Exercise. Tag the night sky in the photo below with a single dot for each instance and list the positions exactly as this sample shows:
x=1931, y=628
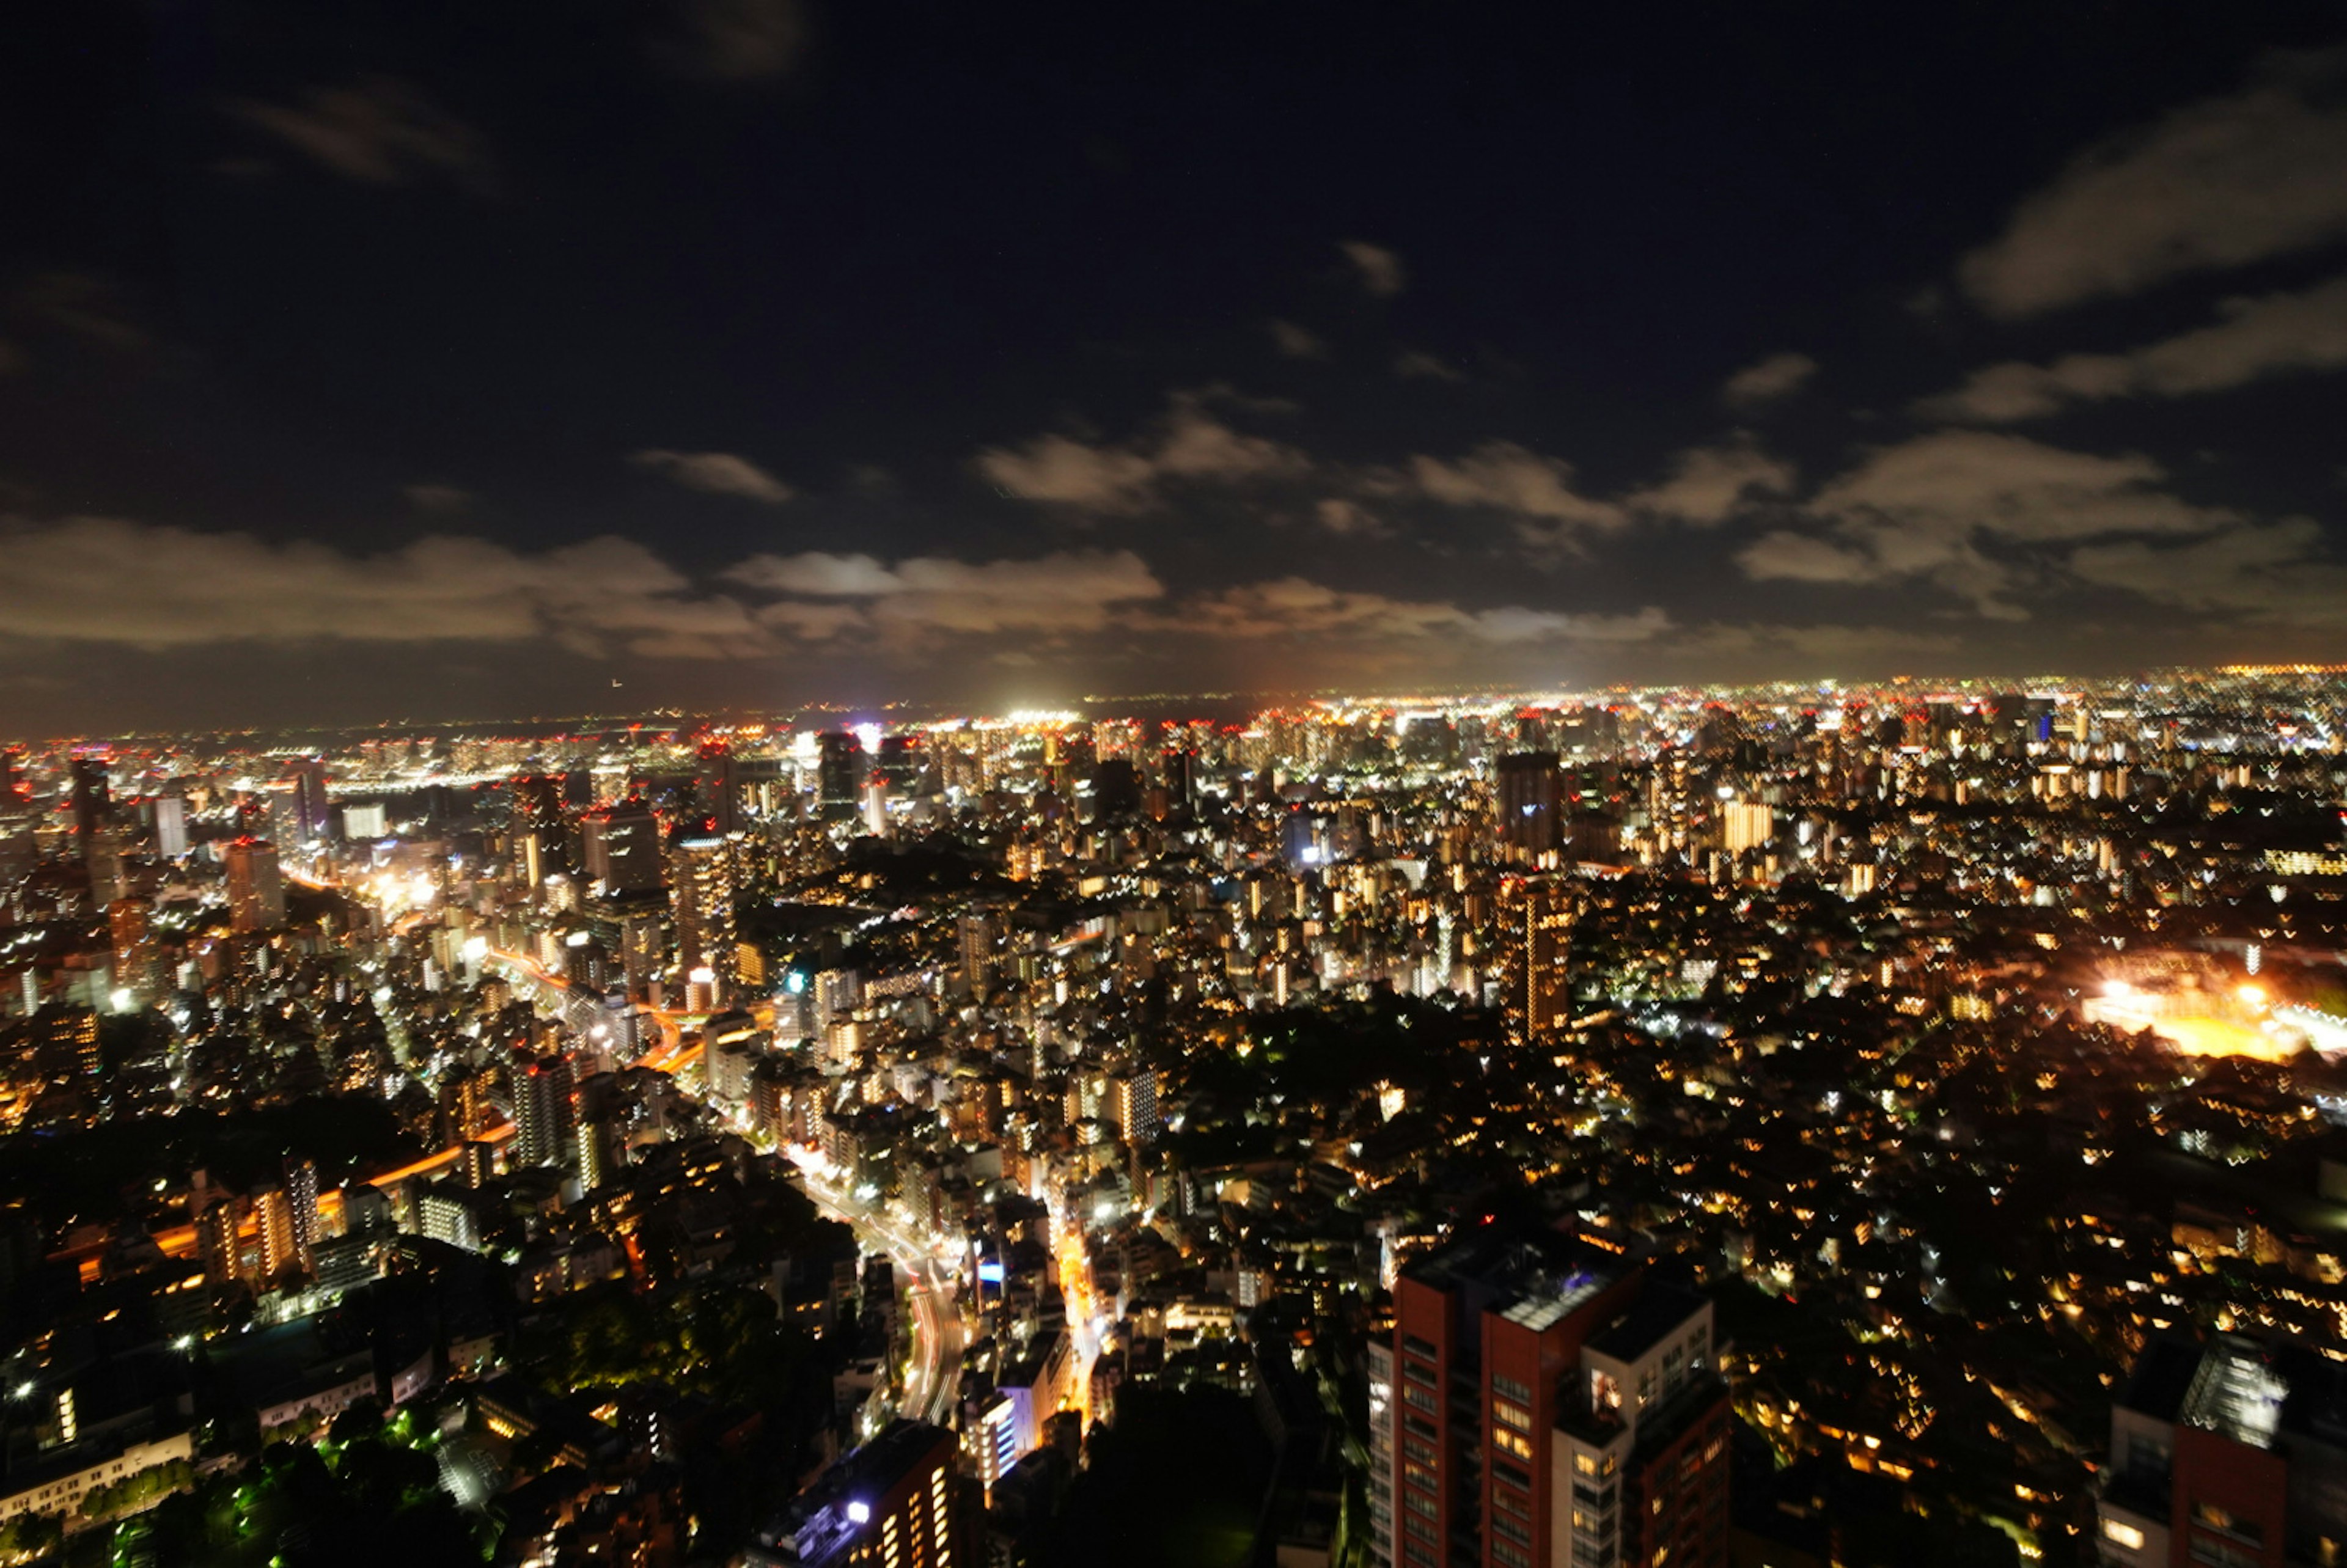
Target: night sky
x=417, y=361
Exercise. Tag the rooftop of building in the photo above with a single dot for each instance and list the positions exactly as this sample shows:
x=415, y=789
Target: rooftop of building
x=1530, y=1276
x=1657, y=1312
x=2242, y=1389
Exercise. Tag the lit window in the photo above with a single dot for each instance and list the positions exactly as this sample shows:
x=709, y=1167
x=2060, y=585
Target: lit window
x=1515, y=1443
x=2126, y=1535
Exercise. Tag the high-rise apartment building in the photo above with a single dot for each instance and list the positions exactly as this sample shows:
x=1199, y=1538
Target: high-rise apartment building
x=891, y=1503
x=1536, y=934
x=302, y=1202
x=541, y=1097
x=256, y=888
x=1551, y=1405
x=2225, y=1455
x=1132, y=1103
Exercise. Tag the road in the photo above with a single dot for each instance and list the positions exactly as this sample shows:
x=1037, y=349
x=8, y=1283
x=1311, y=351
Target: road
x=934, y=1383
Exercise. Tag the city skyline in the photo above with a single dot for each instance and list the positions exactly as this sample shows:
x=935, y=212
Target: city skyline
x=355, y=368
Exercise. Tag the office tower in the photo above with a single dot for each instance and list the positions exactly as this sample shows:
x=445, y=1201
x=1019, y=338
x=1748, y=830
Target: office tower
x=136, y=964
x=899, y=761
x=718, y=787
x=839, y=770
x=364, y=823
x=279, y=806
x=93, y=795
x=622, y=849
x=1537, y=915
x=1554, y=1404
x=171, y=826
x=301, y=1201
x=876, y=806
x=20, y=848
x=890, y=1503
x=1116, y=790
x=700, y=894
x=1530, y=803
x=102, y=858
x=314, y=813
x=2225, y=1455
x=537, y=816
x=256, y=889
x=542, y=1111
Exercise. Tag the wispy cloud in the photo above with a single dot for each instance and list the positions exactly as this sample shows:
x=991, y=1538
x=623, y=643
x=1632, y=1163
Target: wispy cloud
x=1417, y=364
x=1190, y=443
x=1778, y=375
x=718, y=473
x=381, y=131
x=1379, y=271
x=1712, y=483
x=1969, y=511
x=1294, y=342
x=738, y=40
x=2272, y=334
x=2216, y=184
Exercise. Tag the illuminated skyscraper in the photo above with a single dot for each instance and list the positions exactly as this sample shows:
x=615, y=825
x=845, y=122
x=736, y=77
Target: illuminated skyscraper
x=701, y=890
x=301, y=1203
x=2225, y=1453
x=542, y=1111
x=890, y=1503
x=540, y=828
x=93, y=796
x=719, y=786
x=1551, y=1404
x=256, y=888
x=1538, y=913
x=839, y=771
x=280, y=1254
x=1530, y=814
x=171, y=826
x=1745, y=826
x=135, y=959
x=314, y=813
x=622, y=849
